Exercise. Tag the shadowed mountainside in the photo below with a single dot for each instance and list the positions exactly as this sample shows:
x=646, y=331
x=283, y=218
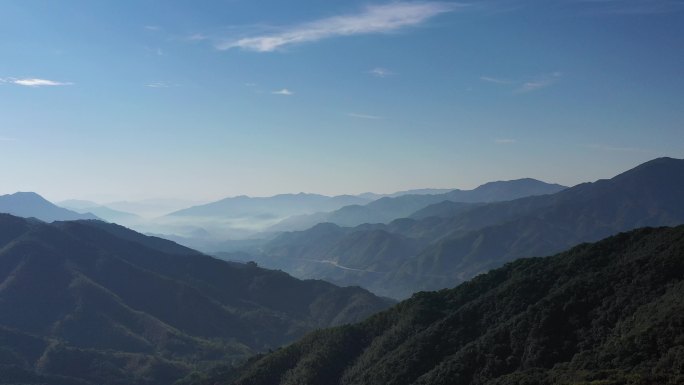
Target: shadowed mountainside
x=607, y=313
x=86, y=302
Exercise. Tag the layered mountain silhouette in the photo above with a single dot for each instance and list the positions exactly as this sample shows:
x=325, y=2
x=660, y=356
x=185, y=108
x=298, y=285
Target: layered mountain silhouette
x=434, y=250
x=101, y=211
x=276, y=206
x=208, y=226
x=211, y=227
x=32, y=205
x=418, y=191
x=153, y=207
x=607, y=313
x=87, y=302
x=387, y=209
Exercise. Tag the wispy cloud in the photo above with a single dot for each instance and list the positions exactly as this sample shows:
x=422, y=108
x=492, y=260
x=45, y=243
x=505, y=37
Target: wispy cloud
x=283, y=92
x=35, y=82
x=380, y=72
x=494, y=80
x=6, y=139
x=539, y=83
x=372, y=19
x=364, y=116
x=155, y=51
x=524, y=86
x=505, y=141
x=152, y=27
x=160, y=85
x=197, y=37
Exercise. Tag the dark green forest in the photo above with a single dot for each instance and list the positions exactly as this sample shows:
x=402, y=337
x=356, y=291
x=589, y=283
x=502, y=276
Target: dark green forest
x=606, y=313
x=89, y=303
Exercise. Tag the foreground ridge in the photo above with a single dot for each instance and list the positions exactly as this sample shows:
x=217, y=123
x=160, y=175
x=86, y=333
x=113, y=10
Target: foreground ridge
x=86, y=303
x=610, y=313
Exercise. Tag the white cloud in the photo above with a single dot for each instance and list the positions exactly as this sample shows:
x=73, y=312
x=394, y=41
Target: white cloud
x=152, y=28
x=505, y=141
x=197, y=37
x=34, y=82
x=284, y=92
x=158, y=85
x=372, y=19
x=364, y=116
x=533, y=84
x=540, y=82
x=490, y=79
x=6, y=139
x=381, y=72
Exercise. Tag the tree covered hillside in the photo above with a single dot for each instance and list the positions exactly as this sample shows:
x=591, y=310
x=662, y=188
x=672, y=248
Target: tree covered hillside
x=93, y=303
x=605, y=313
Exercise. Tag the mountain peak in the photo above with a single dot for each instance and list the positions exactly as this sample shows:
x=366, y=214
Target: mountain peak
x=516, y=182
x=26, y=195
x=505, y=190
x=660, y=162
x=30, y=204
x=655, y=171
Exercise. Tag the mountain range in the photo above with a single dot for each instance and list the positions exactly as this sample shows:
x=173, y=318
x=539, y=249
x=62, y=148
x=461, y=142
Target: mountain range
x=282, y=205
x=32, y=205
x=608, y=313
x=387, y=209
x=418, y=191
x=220, y=225
x=87, y=302
x=434, y=251
x=102, y=211
x=213, y=226
x=208, y=225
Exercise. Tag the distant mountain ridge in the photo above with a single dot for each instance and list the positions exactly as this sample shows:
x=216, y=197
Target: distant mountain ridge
x=505, y=191
x=32, y=205
x=389, y=208
x=101, y=211
x=90, y=303
x=609, y=313
x=279, y=205
x=216, y=225
x=446, y=250
x=418, y=191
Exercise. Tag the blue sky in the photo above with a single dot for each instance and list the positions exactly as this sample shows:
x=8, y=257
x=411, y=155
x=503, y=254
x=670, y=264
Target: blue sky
x=201, y=100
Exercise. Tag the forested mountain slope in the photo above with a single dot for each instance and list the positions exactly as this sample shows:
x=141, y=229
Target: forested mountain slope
x=93, y=303
x=606, y=313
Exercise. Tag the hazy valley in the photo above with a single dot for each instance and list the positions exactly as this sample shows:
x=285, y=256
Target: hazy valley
x=363, y=192
x=137, y=309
